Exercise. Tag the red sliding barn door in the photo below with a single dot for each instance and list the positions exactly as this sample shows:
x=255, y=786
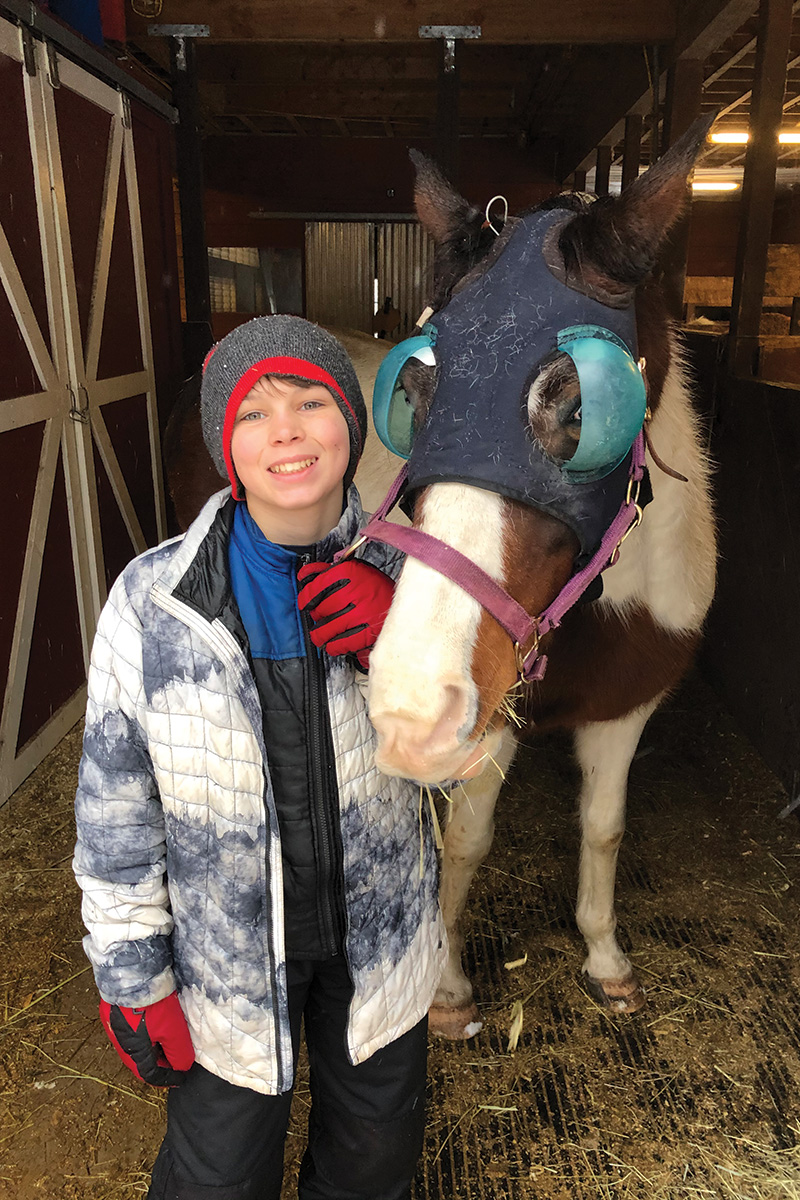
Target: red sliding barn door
x=79, y=434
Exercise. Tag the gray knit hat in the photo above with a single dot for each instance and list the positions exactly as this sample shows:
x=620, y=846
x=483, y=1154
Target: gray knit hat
x=277, y=345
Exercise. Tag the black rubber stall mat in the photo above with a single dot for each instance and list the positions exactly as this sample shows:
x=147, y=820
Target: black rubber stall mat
x=697, y=1095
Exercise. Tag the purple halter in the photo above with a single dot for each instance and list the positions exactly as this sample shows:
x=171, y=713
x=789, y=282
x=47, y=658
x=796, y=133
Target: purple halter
x=454, y=565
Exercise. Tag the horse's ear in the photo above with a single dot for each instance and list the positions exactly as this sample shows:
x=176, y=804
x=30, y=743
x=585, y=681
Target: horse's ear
x=456, y=226
x=441, y=210
x=614, y=244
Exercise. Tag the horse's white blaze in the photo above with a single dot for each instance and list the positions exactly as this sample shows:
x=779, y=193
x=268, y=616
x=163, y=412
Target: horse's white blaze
x=423, y=701
x=669, y=563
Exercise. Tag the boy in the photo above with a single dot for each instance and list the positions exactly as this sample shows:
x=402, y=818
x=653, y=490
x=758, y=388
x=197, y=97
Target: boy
x=244, y=864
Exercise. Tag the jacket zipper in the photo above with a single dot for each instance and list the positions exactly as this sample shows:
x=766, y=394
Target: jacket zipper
x=320, y=811
x=222, y=641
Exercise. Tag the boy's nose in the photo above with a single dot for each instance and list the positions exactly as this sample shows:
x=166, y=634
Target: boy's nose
x=286, y=429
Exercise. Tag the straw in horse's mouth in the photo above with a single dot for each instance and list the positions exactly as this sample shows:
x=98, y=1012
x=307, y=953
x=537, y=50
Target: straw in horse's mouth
x=506, y=709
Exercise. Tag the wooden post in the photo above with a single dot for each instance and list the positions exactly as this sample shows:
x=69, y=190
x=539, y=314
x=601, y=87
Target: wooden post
x=602, y=170
x=197, y=335
x=758, y=185
x=655, y=107
x=682, y=106
x=631, y=149
x=683, y=99
x=447, y=110
x=794, y=324
x=579, y=181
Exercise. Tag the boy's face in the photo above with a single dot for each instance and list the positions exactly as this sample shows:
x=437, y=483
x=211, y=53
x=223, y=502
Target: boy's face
x=291, y=448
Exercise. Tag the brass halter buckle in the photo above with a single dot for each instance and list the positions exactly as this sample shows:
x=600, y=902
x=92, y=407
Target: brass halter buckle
x=521, y=657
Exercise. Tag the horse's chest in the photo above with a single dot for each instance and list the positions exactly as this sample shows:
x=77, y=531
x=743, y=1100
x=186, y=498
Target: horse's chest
x=602, y=664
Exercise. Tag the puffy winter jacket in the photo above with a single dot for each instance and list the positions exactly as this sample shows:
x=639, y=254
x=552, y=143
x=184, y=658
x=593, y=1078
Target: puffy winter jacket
x=178, y=851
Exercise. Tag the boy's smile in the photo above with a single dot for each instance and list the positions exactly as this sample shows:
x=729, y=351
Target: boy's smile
x=291, y=449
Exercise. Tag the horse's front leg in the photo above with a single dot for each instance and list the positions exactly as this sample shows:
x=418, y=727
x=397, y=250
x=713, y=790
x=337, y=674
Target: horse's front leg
x=605, y=750
x=467, y=840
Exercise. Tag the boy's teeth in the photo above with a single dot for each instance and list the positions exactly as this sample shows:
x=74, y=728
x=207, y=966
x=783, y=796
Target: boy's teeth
x=287, y=468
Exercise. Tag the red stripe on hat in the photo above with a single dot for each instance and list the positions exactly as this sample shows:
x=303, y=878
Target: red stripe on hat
x=280, y=365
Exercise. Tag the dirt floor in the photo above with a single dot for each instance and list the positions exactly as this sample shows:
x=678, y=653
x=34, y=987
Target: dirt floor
x=696, y=1096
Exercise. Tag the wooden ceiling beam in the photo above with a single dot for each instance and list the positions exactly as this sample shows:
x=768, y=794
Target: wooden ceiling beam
x=745, y=96
x=352, y=64
x=504, y=22
x=394, y=104
x=748, y=48
x=705, y=25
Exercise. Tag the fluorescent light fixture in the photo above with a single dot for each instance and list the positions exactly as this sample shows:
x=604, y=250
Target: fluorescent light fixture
x=740, y=139
x=715, y=185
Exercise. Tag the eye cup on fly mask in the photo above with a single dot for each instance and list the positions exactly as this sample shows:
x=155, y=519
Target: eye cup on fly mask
x=392, y=410
x=613, y=400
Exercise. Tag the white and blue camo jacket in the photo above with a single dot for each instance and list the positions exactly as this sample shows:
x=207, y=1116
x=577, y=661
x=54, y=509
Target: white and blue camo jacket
x=178, y=853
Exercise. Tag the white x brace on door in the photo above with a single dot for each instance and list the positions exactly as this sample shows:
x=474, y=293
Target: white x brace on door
x=80, y=474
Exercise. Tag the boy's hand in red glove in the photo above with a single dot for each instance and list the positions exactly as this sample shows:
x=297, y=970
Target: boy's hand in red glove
x=347, y=603
x=153, y=1042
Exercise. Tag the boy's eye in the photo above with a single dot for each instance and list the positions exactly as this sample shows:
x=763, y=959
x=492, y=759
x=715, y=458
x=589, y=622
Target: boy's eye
x=312, y=404
x=254, y=415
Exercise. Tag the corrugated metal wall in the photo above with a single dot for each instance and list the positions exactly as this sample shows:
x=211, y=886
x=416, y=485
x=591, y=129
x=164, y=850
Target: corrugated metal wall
x=343, y=259
x=340, y=269
x=404, y=269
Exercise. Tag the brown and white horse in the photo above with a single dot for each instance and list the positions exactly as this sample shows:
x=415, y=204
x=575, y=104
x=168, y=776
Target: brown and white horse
x=442, y=666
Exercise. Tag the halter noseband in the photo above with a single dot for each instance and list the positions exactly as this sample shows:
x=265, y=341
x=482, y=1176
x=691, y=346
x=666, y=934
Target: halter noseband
x=518, y=624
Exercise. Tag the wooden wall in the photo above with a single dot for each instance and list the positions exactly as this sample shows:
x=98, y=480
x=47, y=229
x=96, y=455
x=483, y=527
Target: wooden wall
x=752, y=644
x=714, y=231
x=342, y=175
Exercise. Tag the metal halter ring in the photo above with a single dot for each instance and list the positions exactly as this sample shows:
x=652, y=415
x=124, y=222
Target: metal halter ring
x=635, y=523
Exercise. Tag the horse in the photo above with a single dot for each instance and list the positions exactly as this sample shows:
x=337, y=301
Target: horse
x=445, y=693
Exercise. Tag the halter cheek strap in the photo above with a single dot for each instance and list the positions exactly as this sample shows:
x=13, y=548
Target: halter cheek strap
x=518, y=624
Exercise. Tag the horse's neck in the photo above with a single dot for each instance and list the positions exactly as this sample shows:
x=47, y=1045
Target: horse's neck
x=668, y=564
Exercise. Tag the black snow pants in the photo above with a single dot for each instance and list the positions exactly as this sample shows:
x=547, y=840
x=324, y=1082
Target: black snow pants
x=366, y=1122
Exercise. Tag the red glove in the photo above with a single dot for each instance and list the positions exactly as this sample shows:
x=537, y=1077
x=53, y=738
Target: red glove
x=153, y=1041
x=347, y=603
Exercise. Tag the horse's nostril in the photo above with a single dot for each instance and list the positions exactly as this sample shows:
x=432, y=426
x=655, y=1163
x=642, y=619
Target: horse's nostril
x=454, y=721
x=440, y=723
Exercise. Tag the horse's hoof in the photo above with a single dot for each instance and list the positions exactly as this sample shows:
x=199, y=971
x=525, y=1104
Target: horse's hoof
x=617, y=995
x=458, y=1024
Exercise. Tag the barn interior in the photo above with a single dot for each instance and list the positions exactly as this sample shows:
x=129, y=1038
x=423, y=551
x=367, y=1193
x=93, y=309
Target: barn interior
x=172, y=168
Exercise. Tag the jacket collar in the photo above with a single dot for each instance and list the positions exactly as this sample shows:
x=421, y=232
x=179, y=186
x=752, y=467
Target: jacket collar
x=198, y=573
x=256, y=547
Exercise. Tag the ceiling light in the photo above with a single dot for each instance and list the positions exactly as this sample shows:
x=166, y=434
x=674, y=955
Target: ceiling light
x=715, y=185
x=740, y=139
